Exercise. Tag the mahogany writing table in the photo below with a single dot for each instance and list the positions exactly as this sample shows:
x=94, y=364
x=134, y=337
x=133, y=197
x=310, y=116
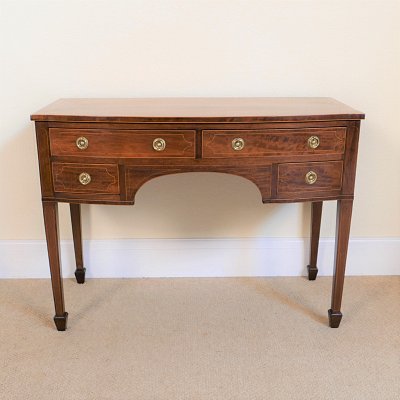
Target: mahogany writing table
x=101, y=151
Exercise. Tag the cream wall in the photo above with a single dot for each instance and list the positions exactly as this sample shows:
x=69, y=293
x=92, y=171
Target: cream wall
x=349, y=50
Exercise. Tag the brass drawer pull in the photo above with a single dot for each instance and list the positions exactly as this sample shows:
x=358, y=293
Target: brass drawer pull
x=84, y=178
x=313, y=142
x=237, y=144
x=82, y=143
x=311, y=177
x=159, y=144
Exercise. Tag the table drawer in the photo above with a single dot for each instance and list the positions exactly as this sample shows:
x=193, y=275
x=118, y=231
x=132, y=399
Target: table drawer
x=276, y=142
x=308, y=178
x=85, y=178
x=122, y=143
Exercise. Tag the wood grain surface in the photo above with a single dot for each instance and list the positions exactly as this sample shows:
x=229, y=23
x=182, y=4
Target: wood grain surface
x=122, y=143
x=292, y=178
x=247, y=109
x=104, y=178
x=278, y=142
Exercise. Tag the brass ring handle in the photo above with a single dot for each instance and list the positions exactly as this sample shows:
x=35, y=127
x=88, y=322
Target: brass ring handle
x=159, y=144
x=82, y=143
x=313, y=142
x=84, y=178
x=237, y=144
x=311, y=177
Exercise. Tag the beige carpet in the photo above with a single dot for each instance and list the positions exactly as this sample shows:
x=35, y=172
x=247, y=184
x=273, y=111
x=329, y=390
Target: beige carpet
x=238, y=338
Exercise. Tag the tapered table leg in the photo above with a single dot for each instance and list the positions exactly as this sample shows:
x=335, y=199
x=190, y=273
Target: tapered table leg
x=80, y=271
x=316, y=212
x=343, y=221
x=50, y=214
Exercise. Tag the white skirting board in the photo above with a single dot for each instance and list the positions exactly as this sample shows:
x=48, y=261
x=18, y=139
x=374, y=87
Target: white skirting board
x=136, y=258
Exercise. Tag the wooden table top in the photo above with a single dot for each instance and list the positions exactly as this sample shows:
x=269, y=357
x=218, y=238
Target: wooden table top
x=198, y=109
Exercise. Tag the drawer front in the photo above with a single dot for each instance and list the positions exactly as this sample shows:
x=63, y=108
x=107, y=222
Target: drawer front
x=305, y=179
x=122, y=143
x=273, y=142
x=85, y=178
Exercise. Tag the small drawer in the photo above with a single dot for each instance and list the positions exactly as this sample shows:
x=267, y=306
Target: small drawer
x=86, y=178
x=122, y=143
x=305, y=179
x=273, y=142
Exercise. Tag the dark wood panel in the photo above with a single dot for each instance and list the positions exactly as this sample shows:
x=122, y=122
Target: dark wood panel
x=350, y=160
x=137, y=176
x=43, y=149
x=122, y=143
x=277, y=142
x=103, y=178
x=174, y=125
x=306, y=197
x=90, y=198
x=114, y=199
x=292, y=178
x=232, y=161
